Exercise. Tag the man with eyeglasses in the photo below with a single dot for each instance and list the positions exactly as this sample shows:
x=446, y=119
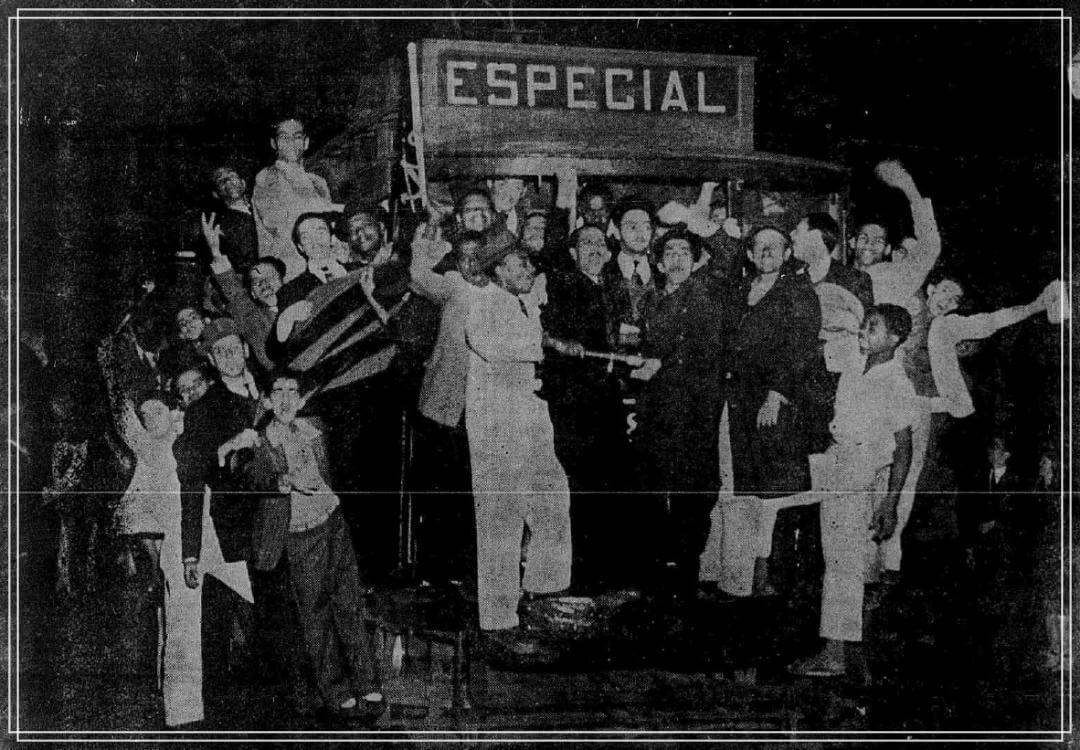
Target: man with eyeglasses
x=284, y=191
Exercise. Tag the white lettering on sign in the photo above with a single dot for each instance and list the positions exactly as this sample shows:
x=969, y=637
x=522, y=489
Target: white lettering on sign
x=673, y=94
x=532, y=84
x=623, y=87
x=573, y=85
x=609, y=89
x=510, y=84
x=453, y=82
x=708, y=109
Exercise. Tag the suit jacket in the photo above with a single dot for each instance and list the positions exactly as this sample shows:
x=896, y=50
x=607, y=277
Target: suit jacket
x=855, y=281
x=620, y=298
x=270, y=523
x=239, y=240
x=584, y=399
x=256, y=321
x=212, y=420
x=297, y=290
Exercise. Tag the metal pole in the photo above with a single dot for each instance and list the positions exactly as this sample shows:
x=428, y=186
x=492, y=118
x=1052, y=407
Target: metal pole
x=417, y=124
x=405, y=509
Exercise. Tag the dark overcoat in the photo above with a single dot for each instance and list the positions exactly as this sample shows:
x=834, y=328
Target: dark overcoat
x=679, y=408
x=772, y=344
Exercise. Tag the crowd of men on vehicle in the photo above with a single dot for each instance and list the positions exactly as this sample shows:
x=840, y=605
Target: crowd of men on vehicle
x=592, y=407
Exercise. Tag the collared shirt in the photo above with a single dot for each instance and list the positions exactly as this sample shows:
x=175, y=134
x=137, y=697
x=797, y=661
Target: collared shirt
x=242, y=386
x=871, y=407
x=307, y=509
x=630, y=263
x=326, y=270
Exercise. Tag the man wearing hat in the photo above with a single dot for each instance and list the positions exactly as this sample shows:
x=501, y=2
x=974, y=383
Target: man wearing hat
x=229, y=406
x=517, y=479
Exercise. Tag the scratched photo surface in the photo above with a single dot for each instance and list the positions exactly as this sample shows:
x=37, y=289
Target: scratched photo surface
x=471, y=373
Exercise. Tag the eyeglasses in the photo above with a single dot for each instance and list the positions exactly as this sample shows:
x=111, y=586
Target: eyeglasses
x=292, y=136
x=865, y=239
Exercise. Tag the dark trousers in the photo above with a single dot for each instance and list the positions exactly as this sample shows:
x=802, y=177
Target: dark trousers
x=279, y=649
x=441, y=483
x=687, y=528
x=326, y=587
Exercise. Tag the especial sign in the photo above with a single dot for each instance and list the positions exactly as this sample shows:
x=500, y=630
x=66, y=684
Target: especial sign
x=473, y=80
x=493, y=98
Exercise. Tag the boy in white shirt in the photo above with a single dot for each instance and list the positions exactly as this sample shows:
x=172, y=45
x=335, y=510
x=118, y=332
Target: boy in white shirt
x=871, y=427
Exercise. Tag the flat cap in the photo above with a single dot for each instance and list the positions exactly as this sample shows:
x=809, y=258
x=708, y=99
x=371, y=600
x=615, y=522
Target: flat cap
x=216, y=330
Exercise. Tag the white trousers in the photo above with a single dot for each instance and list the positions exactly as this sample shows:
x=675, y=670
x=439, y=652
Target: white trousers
x=890, y=552
x=518, y=481
x=182, y=680
x=849, y=481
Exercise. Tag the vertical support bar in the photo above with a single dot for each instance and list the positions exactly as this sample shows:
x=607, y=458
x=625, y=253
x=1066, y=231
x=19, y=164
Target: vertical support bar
x=729, y=195
x=569, y=191
x=845, y=229
x=417, y=123
x=406, y=515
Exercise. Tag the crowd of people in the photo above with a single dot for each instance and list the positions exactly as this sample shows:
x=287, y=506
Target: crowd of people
x=629, y=402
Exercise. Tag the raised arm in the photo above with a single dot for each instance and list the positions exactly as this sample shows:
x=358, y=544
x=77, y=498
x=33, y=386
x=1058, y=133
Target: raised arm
x=428, y=248
x=132, y=430
x=946, y=332
x=911, y=271
x=984, y=325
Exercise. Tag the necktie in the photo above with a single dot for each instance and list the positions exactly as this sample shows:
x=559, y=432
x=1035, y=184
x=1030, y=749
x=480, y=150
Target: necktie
x=635, y=278
x=524, y=309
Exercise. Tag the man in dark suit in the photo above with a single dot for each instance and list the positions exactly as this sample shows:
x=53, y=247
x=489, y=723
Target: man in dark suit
x=229, y=406
x=628, y=277
x=586, y=409
x=679, y=408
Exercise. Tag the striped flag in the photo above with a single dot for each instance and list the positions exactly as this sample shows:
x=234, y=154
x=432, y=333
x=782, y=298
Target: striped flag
x=343, y=342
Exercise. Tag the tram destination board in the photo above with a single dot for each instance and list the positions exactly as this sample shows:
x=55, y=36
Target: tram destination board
x=483, y=98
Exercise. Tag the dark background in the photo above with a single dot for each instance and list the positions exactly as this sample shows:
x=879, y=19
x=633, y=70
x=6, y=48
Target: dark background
x=120, y=119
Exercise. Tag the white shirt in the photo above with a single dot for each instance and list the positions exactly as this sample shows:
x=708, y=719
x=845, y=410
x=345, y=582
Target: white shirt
x=872, y=406
x=627, y=266
x=326, y=270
